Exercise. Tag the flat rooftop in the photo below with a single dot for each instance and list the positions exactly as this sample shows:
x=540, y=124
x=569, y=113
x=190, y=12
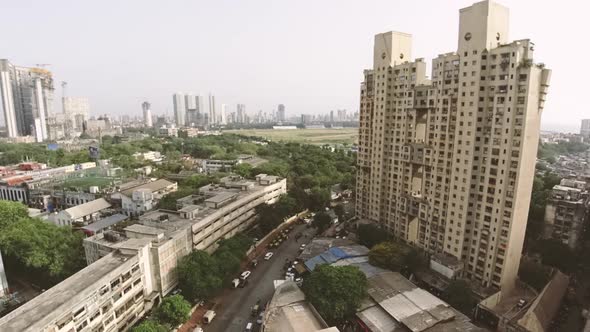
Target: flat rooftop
x=49, y=306
x=289, y=312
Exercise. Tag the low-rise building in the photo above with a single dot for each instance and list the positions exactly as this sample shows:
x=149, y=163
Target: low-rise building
x=109, y=295
x=288, y=311
x=522, y=309
x=566, y=212
x=138, y=199
x=81, y=214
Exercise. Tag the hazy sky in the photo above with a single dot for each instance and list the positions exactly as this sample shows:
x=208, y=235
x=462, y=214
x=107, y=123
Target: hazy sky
x=307, y=54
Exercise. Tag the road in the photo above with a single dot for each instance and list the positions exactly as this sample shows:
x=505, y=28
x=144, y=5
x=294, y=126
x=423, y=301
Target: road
x=235, y=311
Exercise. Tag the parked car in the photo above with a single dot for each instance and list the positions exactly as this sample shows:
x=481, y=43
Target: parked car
x=235, y=283
x=245, y=275
x=254, y=263
x=268, y=256
x=302, y=247
x=208, y=317
x=260, y=318
x=248, y=327
x=243, y=283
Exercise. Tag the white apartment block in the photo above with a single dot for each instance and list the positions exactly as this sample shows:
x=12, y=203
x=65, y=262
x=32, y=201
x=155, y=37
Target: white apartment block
x=447, y=163
x=129, y=273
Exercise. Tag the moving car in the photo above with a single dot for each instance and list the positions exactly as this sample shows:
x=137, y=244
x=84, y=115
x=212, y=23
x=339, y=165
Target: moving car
x=268, y=256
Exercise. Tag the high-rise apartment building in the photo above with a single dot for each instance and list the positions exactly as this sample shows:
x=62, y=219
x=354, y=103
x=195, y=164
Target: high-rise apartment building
x=223, y=114
x=27, y=98
x=585, y=129
x=446, y=164
x=76, y=110
x=147, y=114
x=179, y=101
x=212, y=112
x=241, y=113
x=281, y=113
x=194, y=110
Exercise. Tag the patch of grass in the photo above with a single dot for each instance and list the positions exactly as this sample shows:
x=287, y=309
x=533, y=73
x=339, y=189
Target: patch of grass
x=310, y=136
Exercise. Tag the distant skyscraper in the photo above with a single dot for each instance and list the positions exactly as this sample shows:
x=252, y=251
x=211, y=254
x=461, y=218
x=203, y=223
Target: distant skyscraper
x=446, y=163
x=147, y=114
x=585, y=129
x=223, y=115
x=281, y=113
x=241, y=113
x=27, y=98
x=76, y=110
x=179, y=109
x=212, y=112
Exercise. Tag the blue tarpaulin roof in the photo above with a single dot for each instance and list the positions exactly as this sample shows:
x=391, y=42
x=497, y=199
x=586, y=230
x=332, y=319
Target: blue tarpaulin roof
x=335, y=254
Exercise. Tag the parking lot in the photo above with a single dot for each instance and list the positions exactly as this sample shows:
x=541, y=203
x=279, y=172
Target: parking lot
x=234, y=312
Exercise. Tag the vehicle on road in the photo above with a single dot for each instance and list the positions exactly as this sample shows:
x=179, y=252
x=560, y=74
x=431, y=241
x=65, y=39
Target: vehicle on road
x=260, y=318
x=208, y=317
x=268, y=256
x=198, y=329
x=254, y=263
x=245, y=275
x=235, y=283
x=255, y=309
x=302, y=247
x=248, y=327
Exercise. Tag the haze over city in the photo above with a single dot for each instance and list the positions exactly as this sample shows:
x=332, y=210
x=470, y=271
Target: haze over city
x=304, y=54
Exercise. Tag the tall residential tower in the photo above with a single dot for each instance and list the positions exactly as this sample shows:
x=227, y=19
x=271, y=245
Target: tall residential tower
x=447, y=163
x=147, y=114
x=27, y=99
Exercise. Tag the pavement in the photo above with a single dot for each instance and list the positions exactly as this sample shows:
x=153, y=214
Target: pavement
x=234, y=305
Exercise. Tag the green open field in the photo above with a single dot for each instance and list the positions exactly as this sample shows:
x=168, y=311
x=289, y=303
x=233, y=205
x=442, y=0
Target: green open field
x=85, y=182
x=310, y=136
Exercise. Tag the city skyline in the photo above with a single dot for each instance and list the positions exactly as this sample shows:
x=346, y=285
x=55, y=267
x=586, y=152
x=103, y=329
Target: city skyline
x=137, y=72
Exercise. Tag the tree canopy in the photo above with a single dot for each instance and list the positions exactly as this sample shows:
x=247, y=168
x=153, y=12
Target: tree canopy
x=335, y=291
x=321, y=221
x=201, y=276
x=371, y=234
x=173, y=310
x=459, y=295
x=42, y=250
x=395, y=256
x=150, y=326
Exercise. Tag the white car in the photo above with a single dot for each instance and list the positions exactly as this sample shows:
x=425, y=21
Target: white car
x=268, y=256
x=245, y=275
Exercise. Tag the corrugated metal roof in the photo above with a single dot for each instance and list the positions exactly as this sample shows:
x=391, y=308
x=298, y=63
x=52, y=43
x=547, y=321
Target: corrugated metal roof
x=152, y=186
x=378, y=320
x=105, y=222
x=85, y=209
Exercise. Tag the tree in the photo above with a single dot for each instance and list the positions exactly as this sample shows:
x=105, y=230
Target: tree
x=243, y=169
x=319, y=198
x=389, y=255
x=174, y=310
x=11, y=212
x=321, y=221
x=43, y=250
x=557, y=254
x=534, y=274
x=371, y=234
x=149, y=326
x=459, y=295
x=335, y=291
x=198, y=276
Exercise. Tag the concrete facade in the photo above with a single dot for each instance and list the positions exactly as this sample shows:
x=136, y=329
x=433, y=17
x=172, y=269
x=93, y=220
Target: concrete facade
x=566, y=212
x=446, y=164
